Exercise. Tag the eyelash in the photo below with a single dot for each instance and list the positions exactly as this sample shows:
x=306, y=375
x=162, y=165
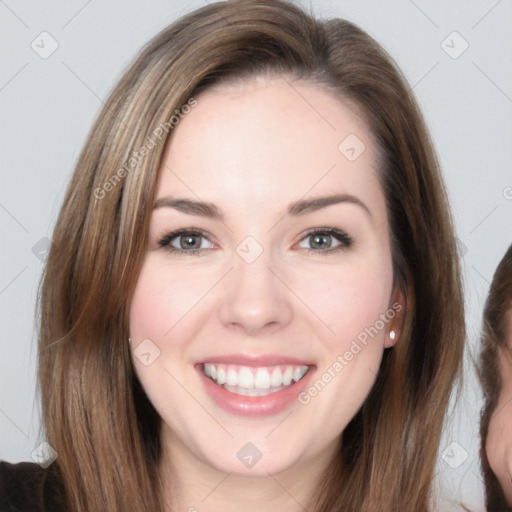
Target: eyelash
x=341, y=236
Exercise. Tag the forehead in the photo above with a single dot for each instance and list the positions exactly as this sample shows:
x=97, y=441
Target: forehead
x=269, y=138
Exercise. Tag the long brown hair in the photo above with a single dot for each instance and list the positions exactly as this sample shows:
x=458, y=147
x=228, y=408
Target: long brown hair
x=94, y=412
x=493, y=342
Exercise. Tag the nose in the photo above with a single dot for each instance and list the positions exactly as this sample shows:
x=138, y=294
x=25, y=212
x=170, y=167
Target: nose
x=254, y=298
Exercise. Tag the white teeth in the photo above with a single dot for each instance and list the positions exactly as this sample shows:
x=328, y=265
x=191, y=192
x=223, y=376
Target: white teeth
x=221, y=376
x=253, y=392
x=262, y=379
x=245, y=378
x=276, y=378
x=287, y=376
x=297, y=374
x=232, y=378
x=248, y=379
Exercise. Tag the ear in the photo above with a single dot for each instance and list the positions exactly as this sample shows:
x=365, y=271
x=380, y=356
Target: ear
x=396, y=313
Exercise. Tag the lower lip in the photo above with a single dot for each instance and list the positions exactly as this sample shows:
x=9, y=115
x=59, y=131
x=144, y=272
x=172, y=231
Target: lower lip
x=259, y=406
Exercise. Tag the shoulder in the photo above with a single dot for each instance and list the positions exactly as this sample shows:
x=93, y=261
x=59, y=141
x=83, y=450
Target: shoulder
x=26, y=486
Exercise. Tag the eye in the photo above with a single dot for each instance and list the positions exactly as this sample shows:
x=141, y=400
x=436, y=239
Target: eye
x=183, y=240
x=321, y=240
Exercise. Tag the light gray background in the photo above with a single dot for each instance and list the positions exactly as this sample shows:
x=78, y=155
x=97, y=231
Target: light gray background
x=49, y=104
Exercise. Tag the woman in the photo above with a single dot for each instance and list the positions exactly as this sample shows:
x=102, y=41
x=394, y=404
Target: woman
x=310, y=340
x=495, y=374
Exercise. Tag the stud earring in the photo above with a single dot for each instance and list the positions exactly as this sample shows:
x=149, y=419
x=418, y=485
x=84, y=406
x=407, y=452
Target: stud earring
x=392, y=335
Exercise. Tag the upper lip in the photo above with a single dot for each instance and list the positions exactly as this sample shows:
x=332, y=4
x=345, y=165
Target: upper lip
x=256, y=361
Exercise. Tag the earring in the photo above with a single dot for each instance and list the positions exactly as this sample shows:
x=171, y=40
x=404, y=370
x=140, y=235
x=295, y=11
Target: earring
x=392, y=335
x=129, y=341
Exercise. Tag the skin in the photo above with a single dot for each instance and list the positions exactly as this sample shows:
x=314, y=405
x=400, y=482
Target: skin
x=253, y=149
x=499, y=441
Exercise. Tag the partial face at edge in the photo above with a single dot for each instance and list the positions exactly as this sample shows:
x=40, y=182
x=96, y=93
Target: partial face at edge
x=324, y=298
x=499, y=437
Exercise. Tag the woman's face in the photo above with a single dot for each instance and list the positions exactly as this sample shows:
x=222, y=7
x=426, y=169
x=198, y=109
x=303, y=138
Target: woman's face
x=499, y=438
x=252, y=290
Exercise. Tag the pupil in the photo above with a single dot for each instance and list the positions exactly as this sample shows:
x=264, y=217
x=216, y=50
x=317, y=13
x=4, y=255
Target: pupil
x=189, y=241
x=320, y=237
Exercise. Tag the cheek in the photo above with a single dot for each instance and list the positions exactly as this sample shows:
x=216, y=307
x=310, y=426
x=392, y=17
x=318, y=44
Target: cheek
x=350, y=299
x=161, y=299
x=498, y=444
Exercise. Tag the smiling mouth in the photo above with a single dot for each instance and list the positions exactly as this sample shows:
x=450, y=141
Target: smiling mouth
x=249, y=381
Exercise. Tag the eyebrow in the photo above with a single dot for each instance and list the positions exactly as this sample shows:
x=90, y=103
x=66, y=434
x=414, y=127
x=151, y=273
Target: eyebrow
x=296, y=209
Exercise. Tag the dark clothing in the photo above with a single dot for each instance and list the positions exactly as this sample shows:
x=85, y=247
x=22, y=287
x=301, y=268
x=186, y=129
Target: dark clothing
x=27, y=487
